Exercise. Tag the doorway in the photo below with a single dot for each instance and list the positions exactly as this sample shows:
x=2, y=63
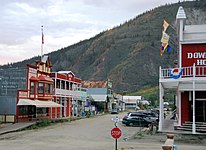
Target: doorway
x=200, y=112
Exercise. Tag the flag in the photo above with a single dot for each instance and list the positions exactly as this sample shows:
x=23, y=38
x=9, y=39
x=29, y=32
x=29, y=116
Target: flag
x=165, y=37
x=42, y=38
x=165, y=26
x=163, y=48
x=168, y=48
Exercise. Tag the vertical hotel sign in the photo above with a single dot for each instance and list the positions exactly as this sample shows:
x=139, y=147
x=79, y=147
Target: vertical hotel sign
x=193, y=53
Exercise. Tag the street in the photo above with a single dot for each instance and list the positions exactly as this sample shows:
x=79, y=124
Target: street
x=84, y=134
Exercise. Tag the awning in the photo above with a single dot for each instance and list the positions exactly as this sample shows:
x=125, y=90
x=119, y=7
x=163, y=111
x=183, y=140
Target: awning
x=45, y=78
x=25, y=102
x=46, y=104
x=38, y=103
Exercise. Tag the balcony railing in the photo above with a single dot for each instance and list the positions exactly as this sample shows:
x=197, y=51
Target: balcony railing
x=75, y=94
x=192, y=71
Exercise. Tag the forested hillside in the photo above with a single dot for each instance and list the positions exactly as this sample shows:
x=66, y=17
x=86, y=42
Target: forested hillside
x=129, y=53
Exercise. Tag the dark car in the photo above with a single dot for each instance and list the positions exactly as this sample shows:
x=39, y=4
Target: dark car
x=136, y=121
x=134, y=114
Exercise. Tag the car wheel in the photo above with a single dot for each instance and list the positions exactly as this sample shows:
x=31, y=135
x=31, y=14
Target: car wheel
x=131, y=124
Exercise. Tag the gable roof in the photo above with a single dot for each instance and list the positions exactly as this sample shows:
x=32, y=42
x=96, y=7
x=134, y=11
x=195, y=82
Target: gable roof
x=66, y=72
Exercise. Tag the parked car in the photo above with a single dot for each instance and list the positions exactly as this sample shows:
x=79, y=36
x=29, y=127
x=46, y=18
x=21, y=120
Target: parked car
x=151, y=118
x=134, y=114
x=136, y=121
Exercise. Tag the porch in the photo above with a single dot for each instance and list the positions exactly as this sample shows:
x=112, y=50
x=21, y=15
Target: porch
x=190, y=89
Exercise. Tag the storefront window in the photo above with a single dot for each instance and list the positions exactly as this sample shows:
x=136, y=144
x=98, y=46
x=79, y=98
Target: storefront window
x=32, y=88
x=23, y=110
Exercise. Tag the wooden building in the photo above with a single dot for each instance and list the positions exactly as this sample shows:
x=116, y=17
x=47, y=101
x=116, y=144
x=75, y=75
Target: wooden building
x=36, y=101
x=188, y=78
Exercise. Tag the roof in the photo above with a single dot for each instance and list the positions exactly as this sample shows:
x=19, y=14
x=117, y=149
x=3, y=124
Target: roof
x=181, y=13
x=66, y=72
x=131, y=99
x=99, y=98
x=194, y=34
x=44, y=58
x=45, y=78
x=38, y=103
x=94, y=84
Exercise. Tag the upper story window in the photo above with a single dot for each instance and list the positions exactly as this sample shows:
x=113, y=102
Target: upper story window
x=57, y=83
x=62, y=84
x=48, y=88
x=71, y=86
x=67, y=85
x=41, y=88
x=32, y=87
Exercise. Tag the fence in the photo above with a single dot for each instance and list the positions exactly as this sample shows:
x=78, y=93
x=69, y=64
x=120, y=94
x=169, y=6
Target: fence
x=7, y=118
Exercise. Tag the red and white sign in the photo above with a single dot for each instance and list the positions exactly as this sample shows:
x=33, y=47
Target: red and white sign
x=193, y=53
x=116, y=133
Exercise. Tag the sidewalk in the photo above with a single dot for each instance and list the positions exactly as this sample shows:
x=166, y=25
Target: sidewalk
x=15, y=127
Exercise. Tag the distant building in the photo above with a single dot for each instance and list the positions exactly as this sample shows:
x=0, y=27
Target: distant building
x=101, y=91
x=131, y=101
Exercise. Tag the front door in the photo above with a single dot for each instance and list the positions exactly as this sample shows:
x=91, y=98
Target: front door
x=200, y=111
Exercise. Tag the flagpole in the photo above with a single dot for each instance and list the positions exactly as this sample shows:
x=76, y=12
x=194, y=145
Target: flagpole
x=42, y=42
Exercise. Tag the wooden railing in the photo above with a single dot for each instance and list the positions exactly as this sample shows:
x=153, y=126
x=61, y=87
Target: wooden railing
x=192, y=71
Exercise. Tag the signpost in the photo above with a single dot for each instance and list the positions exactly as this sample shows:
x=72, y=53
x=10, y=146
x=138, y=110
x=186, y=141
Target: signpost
x=116, y=132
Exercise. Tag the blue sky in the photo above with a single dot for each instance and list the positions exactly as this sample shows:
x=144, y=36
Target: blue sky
x=65, y=22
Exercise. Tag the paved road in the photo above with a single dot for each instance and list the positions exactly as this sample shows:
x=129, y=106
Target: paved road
x=84, y=134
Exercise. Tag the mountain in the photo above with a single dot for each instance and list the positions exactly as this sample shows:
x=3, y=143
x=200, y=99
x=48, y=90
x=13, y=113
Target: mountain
x=129, y=53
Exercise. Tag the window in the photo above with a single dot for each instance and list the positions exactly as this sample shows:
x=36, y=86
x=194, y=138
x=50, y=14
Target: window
x=32, y=87
x=51, y=89
x=67, y=85
x=62, y=84
x=48, y=88
x=57, y=83
x=23, y=110
x=41, y=88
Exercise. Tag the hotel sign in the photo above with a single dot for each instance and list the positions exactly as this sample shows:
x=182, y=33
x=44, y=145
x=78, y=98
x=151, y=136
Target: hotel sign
x=200, y=58
x=193, y=53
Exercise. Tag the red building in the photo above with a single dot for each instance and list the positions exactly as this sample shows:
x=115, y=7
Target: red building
x=189, y=78
x=36, y=101
x=68, y=91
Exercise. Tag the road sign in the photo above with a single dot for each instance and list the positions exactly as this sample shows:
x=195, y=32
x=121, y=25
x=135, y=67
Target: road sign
x=116, y=119
x=116, y=133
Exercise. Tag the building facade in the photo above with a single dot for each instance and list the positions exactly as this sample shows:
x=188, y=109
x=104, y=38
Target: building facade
x=35, y=102
x=68, y=92
x=101, y=92
x=189, y=77
x=11, y=80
